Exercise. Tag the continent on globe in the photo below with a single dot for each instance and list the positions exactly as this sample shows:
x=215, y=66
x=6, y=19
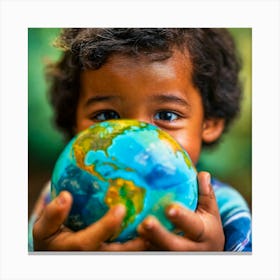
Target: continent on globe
x=129, y=162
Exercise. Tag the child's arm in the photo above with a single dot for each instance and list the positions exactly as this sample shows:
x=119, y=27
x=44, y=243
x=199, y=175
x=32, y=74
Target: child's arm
x=202, y=229
x=50, y=234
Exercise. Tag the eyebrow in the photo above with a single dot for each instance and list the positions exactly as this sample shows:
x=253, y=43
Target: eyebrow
x=170, y=98
x=161, y=98
x=100, y=98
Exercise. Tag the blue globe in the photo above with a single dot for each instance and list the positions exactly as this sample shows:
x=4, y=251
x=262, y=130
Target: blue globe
x=129, y=162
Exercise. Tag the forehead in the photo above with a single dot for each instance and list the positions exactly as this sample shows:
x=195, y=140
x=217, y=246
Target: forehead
x=178, y=66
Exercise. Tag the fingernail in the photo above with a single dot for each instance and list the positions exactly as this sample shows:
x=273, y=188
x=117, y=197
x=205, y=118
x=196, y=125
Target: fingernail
x=172, y=212
x=205, y=185
x=148, y=224
x=208, y=179
x=61, y=199
x=119, y=210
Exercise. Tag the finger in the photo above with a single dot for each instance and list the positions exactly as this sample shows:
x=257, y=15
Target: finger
x=90, y=238
x=53, y=216
x=186, y=220
x=137, y=244
x=151, y=230
x=206, y=197
x=109, y=225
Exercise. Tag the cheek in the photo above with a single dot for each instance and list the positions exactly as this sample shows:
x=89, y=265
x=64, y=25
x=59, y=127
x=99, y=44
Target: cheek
x=82, y=121
x=191, y=143
x=194, y=153
x=82, y=124
x=85, y=124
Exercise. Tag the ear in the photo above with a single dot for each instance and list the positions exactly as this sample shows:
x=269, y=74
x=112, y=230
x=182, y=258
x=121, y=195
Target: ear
x=212, y=129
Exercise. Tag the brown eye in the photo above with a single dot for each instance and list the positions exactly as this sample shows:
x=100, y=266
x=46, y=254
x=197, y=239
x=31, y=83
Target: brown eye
x=106, y=115
x=166, y=116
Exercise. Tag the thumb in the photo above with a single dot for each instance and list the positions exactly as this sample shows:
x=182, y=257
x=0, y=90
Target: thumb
x=206, y=196
x=53, y=216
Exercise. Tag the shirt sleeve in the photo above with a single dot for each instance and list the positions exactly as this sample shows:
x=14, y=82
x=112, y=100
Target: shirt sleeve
x=236, y=218
x=41, y=203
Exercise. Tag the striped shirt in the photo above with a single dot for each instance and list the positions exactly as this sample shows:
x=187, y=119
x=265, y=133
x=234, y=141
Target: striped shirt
x=236, y=218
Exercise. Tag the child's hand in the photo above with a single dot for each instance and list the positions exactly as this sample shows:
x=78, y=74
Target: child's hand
x=50, y=234
x=202, y=229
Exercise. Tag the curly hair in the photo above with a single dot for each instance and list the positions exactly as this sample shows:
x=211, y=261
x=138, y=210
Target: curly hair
x=212, y=52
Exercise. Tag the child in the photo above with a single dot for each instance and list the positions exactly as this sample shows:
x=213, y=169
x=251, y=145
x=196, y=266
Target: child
x=184, y=81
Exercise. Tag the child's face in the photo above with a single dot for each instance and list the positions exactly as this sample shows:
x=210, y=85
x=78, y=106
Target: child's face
x=161, y=93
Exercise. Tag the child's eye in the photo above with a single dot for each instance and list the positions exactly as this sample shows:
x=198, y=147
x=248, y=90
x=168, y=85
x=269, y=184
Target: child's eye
x=166, y=116
x=106, y=115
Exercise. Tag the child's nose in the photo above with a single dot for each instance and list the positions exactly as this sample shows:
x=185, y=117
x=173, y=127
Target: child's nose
x=143, y=119
x=138, y=112
x=140, y=117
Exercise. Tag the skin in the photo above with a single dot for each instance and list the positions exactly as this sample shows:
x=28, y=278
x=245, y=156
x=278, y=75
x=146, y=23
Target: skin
x=161, y=93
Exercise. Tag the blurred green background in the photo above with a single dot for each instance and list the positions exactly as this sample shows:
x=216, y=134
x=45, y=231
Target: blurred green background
x=230, y=161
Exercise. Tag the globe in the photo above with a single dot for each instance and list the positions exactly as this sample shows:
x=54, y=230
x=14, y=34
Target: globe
x=129, y=162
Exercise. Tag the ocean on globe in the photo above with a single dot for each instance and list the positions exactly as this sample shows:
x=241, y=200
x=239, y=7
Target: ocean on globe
x=129, y=162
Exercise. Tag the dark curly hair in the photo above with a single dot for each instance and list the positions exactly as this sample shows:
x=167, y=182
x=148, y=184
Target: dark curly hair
x=212, y=52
